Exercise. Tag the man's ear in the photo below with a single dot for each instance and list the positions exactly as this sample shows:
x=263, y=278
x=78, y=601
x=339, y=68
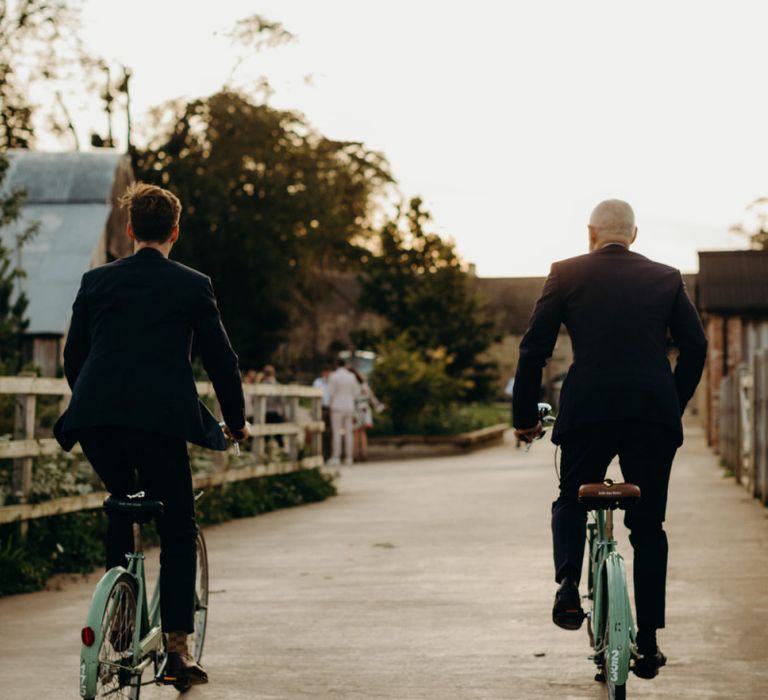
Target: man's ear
x=634, y=235
x=592, y=237
x=129, y=231
x=174, y=234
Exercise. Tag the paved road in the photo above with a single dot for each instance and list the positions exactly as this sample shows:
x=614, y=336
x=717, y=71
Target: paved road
x=431, y=579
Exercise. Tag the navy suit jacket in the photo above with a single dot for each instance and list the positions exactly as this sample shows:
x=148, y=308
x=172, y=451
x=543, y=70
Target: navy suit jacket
x=127, y=355
x=620, y=310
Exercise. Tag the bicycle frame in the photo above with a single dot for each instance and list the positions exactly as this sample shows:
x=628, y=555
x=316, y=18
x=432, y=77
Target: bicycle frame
x=610, y=598
x=147, y=635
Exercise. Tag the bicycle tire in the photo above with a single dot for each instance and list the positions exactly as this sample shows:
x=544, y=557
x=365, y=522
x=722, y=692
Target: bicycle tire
x=616, y=691
x=197, y=638
x=116, y=640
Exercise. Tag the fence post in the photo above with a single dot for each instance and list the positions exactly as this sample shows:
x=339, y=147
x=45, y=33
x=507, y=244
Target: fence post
x=259, y=418
x=760, y=424
x=317, y=417
x=292, y=416
x=23, y=429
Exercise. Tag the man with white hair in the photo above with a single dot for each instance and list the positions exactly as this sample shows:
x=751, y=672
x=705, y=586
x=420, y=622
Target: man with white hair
x=620, y=397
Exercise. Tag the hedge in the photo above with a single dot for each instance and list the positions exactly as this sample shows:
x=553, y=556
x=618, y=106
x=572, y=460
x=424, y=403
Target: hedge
x=74, y=542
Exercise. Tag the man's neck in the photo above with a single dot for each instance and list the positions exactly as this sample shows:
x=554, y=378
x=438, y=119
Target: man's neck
x=163, y=248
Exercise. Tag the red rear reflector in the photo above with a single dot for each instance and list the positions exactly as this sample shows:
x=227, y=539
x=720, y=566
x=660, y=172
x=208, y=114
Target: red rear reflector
x=88, y=636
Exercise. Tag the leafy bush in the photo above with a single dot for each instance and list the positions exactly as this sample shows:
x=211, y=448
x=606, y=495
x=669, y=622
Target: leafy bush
x=417, y=390
x=74, y=542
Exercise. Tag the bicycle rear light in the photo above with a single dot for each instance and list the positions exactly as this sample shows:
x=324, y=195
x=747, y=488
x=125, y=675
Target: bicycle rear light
x=88, y=636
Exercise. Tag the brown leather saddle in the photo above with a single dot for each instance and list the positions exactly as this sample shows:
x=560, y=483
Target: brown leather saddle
x=607, y=495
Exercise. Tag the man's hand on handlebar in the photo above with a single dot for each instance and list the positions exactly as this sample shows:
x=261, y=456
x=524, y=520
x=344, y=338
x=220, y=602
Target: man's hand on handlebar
x=237, y=435
x=528, y=435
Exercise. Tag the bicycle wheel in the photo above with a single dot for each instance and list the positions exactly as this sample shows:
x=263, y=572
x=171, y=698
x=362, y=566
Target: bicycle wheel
x=118, y=622
x=201, y=599
x=615, y=692
x=610, y=658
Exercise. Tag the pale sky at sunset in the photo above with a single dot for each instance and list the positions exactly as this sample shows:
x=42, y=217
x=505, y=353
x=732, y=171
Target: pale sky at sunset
x=511, y=119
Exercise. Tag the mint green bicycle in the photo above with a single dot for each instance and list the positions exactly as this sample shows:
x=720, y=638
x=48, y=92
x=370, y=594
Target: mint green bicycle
x=610, y=625
x=123, y=636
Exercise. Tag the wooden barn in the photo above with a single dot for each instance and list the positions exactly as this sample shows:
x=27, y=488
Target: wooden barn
x=72, y=197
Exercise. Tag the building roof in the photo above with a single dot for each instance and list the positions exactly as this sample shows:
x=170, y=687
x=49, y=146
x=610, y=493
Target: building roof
x=733, y=280
x=70, y=196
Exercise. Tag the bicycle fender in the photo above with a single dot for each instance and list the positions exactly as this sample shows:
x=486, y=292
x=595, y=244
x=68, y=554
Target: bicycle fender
x=618, y=649
x=89, y=656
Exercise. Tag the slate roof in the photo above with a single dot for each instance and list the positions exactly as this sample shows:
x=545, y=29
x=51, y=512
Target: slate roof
x=733, y=281
x=69, y=194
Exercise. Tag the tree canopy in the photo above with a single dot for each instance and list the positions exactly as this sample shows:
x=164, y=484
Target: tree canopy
x=39, y=47
x=13, y=301
x=269, y=203
x=417, y=283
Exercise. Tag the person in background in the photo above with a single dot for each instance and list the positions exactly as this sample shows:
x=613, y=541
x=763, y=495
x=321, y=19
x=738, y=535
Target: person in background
x=365, y=402
x=275, y=408
x=321, y=382
x=342, y=392
x=250, y=377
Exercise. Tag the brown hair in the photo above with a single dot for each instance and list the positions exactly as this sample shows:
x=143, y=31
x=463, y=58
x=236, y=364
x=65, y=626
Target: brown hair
x=152, y=211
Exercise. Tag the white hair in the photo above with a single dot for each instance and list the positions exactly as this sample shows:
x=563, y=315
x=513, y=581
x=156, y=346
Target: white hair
x=613, y=219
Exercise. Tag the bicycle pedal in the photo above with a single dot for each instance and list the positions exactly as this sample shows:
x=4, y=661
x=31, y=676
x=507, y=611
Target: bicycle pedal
x=168, y=680
x=600, y=677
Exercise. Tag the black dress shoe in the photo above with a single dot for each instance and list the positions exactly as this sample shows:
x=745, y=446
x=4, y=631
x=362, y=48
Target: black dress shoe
x=648, y=665
x=567, y=612
x=181, y=669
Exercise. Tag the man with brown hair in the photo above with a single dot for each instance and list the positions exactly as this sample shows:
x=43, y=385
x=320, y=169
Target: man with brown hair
x=134, y=403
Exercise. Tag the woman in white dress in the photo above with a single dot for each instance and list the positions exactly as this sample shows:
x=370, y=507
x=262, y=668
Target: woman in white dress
x=365, y=403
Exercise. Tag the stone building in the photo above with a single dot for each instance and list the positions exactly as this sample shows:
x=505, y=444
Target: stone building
x=732, y=297
x=511, y=301
x=72, y=198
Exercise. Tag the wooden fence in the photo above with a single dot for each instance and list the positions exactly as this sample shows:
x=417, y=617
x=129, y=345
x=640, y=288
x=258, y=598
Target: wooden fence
x=743, y=426
x=301, y=423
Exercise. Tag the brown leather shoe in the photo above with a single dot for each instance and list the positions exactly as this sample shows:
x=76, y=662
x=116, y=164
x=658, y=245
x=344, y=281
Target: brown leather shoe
x=182, y=669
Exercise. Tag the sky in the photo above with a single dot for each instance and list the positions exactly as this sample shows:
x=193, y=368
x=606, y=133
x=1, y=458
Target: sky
x=510, y=119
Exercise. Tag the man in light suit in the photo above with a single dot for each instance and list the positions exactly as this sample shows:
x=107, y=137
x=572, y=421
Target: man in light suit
x=620, y=397
x=343, y=388
x=134, y=403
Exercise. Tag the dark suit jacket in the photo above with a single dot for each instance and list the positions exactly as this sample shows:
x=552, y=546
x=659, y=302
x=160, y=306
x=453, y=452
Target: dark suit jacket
x=127, y=356
x=619, y=308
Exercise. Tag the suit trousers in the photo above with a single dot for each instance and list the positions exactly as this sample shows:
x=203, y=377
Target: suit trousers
x=127, y=461
x=342, y=421
x=645, y=452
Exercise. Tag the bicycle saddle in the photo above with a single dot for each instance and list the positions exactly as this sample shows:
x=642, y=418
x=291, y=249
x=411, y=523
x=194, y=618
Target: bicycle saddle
x=140, y=510
x=608, y=495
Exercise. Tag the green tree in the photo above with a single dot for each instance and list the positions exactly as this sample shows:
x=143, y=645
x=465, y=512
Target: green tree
x=416, y=281
x=270, y=204
x=39, y=46
x=414, y=385
x=13, y=301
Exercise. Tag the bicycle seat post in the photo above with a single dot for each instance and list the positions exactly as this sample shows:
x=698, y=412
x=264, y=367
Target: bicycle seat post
x=609, y=523
x=137, y=547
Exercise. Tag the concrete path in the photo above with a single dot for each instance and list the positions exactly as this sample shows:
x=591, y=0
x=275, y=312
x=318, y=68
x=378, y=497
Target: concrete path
x=432, y=579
